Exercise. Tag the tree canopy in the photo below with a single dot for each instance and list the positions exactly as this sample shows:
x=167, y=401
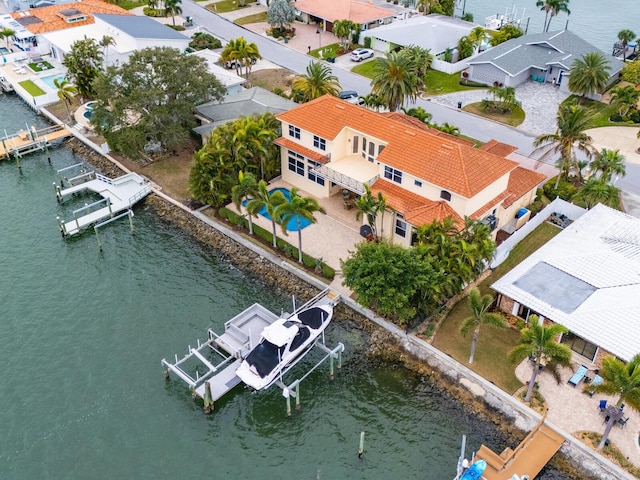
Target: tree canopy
x=318, y=81
x=280, y=14
x=394, y=80
x=590, y=74
x=84, y=63
x=147, y=104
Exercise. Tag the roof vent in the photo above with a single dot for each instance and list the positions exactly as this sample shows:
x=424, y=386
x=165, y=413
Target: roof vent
x=409, y=132
x=72, y=15
x=447, y=146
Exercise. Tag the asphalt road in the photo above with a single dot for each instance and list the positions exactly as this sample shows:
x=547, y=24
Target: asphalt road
x=295, y=61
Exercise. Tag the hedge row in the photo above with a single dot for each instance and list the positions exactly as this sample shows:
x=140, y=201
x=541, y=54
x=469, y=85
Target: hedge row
x=290, y=250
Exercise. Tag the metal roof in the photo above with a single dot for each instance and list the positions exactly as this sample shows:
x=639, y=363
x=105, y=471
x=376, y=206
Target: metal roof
x=587, y=278
x=141, y=27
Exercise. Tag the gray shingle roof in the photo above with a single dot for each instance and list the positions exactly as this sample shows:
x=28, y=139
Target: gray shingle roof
x=541, y=50
x=254, y=100
x=141, y=27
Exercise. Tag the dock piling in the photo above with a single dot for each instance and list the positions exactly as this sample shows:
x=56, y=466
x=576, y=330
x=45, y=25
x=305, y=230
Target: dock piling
x=208, y=398
x=287, y=395
x=331, y=367
x=133, y=230
x=339, y=359
x=298, y=396
x=95, y=229
x=361, y=449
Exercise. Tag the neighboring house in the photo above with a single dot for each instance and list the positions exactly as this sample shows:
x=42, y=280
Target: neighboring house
x=543, y=57
x=130, y=33
x=252, y=101
x=434, y=32
x=30, y=25
x=15, y=5
x=362, y=13
x=332, y=147
x=586, y=279
x=232, y=82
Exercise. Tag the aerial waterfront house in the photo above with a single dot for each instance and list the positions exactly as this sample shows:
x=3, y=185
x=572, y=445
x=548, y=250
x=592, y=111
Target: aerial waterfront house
x=332, y=147
x=359, y=12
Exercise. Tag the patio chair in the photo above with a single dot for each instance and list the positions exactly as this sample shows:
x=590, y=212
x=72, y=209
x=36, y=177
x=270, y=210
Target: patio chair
x=577, y=377
x=623, y=421
x=534, y=77
x=597, y=380
x=603, y=405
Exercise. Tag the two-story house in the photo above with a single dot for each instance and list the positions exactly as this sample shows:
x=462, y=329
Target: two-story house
x=330, y=147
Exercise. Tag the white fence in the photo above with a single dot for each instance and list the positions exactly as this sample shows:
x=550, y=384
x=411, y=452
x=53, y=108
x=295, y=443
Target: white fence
x=573, y=212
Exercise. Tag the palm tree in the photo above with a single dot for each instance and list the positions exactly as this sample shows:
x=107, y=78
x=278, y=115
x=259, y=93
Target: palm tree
x=447, y=128
x=625, y=99
x=476, y=37
x=590, y=74
x=7, y=33
x=420, y=59
x=545, y=5
x=371, y=205
x=373, y=101
x=569, y=136
x=394, y=80
x=247, y=187
x=597, y=191
x=419, y=113
x=242, y=54
x=253, y=143
x=66, y=92
x=608, y=163
x=269, y=201
x=619, y=379
x=297, y=208
x=318, y=81
x=480, y=315
x=342, y=29
x=538, y=342
x=172, y=7
x=557, y=6
x=105, y=42
x=625, y=36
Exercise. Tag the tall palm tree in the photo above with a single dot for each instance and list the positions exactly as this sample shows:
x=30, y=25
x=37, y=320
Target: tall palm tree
x=568, y=137
x=318, y=81
x=66, y=92
x=480, y=315
x=371, y=205
x=625, y=36
x=173, y=8
x=538, y=342
x=297, y=208
x=557, y=6
x=590, y=74
x=609, y=163
x=105, y=42
x=7, y=33
x=619, y=379
x=242, y=54
x=625, y=99
x=342, y=29
x=269, y=201
x=247, y=187
x=545, y=6
x=394, y=80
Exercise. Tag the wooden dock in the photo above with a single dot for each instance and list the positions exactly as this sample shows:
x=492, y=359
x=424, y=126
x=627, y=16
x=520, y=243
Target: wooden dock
x=526, y=461
x=31, y=140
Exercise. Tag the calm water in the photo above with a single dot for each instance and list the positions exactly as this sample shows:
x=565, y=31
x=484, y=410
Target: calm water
x=596, y=21
x=81, y=337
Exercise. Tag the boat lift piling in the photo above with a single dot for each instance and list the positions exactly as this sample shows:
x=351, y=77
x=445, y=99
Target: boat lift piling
x=361, y=448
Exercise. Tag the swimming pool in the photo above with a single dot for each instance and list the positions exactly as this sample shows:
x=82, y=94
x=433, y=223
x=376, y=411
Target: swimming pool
x=50, y=78
x=88, y=110
x=292, y=224
x=4, y=50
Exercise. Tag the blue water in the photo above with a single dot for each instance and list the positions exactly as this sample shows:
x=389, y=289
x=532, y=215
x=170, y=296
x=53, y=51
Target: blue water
x=50, y=78
x=4, y=50
x=292, y=224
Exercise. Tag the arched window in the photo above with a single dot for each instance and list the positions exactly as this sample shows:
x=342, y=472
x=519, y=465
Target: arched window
x=445, y=195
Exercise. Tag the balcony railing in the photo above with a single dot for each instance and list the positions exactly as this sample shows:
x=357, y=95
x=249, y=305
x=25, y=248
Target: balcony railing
x=344, y=180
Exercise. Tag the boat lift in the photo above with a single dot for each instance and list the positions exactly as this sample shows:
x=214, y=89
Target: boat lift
x=209, y=369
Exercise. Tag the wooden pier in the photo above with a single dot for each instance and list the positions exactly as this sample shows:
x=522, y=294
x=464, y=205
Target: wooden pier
x=526, y=461
x=117, y=194
x=31, y=140
x=209, y=369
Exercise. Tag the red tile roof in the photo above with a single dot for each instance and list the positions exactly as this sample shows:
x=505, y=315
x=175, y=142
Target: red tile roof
x=438, y=160
x=307, y=152
x=354, y=10
x=51, y=19
x=498, y=148
x=416, y=210
x=414, y=122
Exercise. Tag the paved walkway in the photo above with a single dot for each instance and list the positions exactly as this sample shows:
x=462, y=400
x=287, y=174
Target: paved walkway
x=574, y=411
x=618, y=138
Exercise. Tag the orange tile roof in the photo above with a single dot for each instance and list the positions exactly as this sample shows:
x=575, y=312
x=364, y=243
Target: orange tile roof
x=498, y=148
x=414, y=122
x=354, y=10
x=450, y=165
x=51, y=21
x=521, y=181
x=307, y=152
x=416, y=210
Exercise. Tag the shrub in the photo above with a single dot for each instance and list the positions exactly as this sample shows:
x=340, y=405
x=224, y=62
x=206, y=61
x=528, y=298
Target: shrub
x=152, y=12
x=367, y=42
x=179, y=28
x=616, y=118
x=565, y=190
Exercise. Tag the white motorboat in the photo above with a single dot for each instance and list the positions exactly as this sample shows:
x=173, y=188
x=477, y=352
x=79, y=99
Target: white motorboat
x=282, y=345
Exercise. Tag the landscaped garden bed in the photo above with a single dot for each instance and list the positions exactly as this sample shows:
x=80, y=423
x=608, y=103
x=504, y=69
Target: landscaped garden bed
x=40, y=66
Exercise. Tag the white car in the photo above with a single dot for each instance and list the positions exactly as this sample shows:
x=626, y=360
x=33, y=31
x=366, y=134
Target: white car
x=360, y=54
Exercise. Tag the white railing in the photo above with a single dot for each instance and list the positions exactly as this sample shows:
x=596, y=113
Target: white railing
x=345, y=180
x=140, y=195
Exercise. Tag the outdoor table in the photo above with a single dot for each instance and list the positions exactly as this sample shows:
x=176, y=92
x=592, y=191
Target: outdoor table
x=613, y=411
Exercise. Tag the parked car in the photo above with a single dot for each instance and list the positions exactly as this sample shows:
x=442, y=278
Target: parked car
x=360, y=54
x=232, y=63
x=351, y=96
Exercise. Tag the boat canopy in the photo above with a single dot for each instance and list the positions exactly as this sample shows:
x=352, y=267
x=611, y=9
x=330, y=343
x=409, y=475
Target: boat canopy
x=280, y=332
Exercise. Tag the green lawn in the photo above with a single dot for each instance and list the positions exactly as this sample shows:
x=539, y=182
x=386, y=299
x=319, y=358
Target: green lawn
x=598, y=113
x=515, y=118
x=40, y=66
x=364, y=68
x=225, y=6
x=258, y=17
x=493, y=344
x=31, y=88
x=327, y=51
x=439, y=83
x=130, y=4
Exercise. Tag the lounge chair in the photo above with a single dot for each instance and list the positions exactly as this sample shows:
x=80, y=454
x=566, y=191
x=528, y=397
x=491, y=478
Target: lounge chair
x=578, y=375
x=597, y=380
x=534, y=77
x=603, y=405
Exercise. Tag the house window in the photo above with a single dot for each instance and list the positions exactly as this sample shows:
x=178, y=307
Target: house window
x=526, y=312
x=320, y=143
x=393, y=174
x=294, y=132
x=380, y=149
x=445, y=195
x=296, y=163
x=356, y=141
x=364, y=147
x=417, y=183
x=401, y=228
x=372, y=152
x=313, y=176
x=580, y=345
